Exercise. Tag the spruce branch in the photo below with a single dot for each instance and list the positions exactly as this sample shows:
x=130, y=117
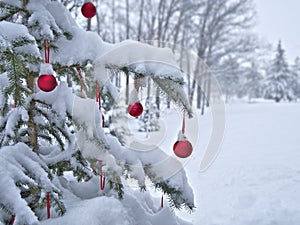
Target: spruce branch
x=7, y=10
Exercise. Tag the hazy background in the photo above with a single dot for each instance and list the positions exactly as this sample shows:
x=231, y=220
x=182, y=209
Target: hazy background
x=280, y=20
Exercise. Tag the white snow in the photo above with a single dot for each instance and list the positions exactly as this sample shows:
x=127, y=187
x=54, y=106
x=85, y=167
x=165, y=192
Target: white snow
x=83, y=46
x=12, y=32
x=256, y=177
x=13, y=118
x=46, y=68
x=19, y=163
x=3, y=84
x=137, y=208
x=16, y=3
x=40, y=16
x=146, y=59
x=61, y=99
x=94, y=212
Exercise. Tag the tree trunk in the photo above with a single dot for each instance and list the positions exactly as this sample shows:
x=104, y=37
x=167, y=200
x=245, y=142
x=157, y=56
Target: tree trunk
x=177, y=31
x=188, y=72
x=25, y=2
x=69, y=81
x=113, y=21
x=208, y=91
x=127, y=89
x=98, y=22
x=33, y=143
x=203, y=97
x=199, y=96
x=167, y=19
x=127, y=37
x=127, y=19
x=200, y=92
x=117, y=79
x=160, y=19
x=140, y=20
x=192, y=89
x=88, y=24
x=157, y=101
x=149, y=88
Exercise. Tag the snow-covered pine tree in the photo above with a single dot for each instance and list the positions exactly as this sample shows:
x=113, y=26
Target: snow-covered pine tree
x=149, y=121
x=278, y=80
x=296, y=77
x=48, y=134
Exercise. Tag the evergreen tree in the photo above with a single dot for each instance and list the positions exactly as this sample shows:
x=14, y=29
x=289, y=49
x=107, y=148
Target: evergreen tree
x=296, y=77
x=47, y=134
x=149, y=119
x=278, y=80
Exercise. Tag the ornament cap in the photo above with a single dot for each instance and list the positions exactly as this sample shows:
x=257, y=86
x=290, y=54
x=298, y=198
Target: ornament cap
x=181, y=136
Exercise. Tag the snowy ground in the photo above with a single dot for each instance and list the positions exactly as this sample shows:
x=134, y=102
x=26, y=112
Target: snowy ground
x=256, y=177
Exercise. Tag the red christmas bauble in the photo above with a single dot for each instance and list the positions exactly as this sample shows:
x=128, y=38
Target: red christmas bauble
x=135, y=109
x=183, y=149
x=47, y=82
x=88, y=10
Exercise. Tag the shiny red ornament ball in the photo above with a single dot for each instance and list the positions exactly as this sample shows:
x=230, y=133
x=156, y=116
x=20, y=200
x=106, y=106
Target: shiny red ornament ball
x=88, y=10
x=47, y=82
x=183, y=149
x=135, y=109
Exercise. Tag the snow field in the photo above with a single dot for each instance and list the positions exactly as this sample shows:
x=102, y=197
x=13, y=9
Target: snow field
x=256, y=177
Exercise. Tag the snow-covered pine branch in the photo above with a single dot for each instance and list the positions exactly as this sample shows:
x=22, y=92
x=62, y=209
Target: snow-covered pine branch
x=22, y=169
x=54, y=126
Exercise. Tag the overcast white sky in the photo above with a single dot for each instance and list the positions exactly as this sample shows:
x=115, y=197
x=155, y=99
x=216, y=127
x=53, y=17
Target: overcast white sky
x=280, y=19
